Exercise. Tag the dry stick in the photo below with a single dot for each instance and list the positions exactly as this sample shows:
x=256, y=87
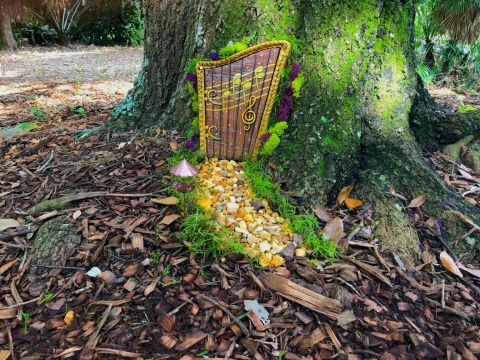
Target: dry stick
x=224, y=309
x=449, y=310
x=61, y=202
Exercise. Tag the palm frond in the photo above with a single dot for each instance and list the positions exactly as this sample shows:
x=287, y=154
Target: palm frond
x=459, y=19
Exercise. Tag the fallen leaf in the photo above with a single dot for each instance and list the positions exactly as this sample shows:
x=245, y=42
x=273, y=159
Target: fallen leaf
x=353, y=203
x=173, y=145
x=7, y=266
x=107, y=277
x=167, y=220
x=150, y=288
x=171, y=200
x=8, y=223
x=344, y=193
x=69, y=316
x=4, y=354
x=474, y=272
x=322, y=214
x=417, y=202
x=333, y=229
x=449, y=264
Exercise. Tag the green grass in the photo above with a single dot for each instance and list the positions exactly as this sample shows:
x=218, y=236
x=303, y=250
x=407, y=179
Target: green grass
x=306, y=225
x=198, y=231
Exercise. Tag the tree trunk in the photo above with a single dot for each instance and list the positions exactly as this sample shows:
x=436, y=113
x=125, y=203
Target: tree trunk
x=7, y=40
x=352, y=121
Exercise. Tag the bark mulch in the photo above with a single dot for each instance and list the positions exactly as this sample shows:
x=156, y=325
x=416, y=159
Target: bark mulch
x=156, y=300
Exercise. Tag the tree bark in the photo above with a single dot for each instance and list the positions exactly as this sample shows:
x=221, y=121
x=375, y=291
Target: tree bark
x=352, y=121
x=7, y=40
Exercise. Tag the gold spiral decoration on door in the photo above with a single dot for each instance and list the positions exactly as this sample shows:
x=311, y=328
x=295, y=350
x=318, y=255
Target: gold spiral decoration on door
x=248, y=115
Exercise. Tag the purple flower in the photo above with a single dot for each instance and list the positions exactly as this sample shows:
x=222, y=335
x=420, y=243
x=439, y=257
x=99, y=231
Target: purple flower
x=439, y=224
x=294, y=71
x=443, y=204
x=212, y=55
x=265, y=137
x=286, y=104
x=193, y=79
x=192, y=142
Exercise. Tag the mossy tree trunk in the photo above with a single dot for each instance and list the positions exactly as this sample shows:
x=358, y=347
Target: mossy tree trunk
x=353, y=120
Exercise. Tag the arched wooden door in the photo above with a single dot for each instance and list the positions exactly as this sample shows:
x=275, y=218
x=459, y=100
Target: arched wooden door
x=236, y=96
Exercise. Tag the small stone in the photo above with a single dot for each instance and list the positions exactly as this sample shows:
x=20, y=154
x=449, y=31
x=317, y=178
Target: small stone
x=264, y=246
x=220, y=188
x=265, y=259
x=277, y=261
x=280, y=220
x=241, y=231
x=300, y=252
x=243, y=224
x=232, y=207
x=264, y=235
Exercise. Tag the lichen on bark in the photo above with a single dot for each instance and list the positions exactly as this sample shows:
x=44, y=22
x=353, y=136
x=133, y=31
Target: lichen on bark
x=54, y=242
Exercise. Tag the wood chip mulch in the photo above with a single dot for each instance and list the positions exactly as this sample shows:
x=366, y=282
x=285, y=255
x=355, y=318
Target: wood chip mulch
x=155, y=300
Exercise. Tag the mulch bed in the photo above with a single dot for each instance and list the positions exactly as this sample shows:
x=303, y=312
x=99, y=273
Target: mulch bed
x=157, y=300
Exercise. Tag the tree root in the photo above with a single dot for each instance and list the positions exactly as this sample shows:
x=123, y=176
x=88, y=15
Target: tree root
x=435, y=127
x=394, y=164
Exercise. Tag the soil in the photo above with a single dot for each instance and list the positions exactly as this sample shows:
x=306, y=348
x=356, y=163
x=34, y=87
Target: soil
x=155, y=299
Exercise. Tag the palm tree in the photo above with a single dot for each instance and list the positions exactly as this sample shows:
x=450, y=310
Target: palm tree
x=459, y=19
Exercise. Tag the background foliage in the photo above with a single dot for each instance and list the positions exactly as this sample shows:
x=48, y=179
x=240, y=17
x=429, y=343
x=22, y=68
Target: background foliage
x=46, y=24
x=447, y=42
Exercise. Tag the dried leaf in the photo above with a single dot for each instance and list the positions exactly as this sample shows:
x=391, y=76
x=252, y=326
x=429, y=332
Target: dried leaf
x=8, y=223
x=449, y=264
x=169, y=219
x=69, y=316
x=107, y=277
x=333, y=229
x=344, y=193
x=4, y=354
x=7, y=266
x=417, y=202
x=150, y=288
x=353, y=203
x=322, y=214
x=171, y=200
x=474, y=272
x=173, y=145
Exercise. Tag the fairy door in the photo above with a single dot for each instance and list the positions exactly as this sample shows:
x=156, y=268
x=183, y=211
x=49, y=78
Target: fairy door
x=236, y=96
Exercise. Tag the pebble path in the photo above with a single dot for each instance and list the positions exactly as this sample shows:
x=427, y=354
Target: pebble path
x=226, y=192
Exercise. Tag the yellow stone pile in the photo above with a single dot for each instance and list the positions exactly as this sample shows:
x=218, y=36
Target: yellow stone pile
x=226, y=192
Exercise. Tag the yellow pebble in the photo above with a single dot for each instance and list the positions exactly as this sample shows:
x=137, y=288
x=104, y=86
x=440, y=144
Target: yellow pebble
x=300, y=252
x=277, y=261
x=265, y=260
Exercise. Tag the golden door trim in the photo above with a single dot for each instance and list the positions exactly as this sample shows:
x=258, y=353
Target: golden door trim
x=200, y=70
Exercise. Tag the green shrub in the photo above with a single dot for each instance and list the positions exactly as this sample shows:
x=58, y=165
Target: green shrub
x=232, y=49
x=270, y=145
x=125, y=31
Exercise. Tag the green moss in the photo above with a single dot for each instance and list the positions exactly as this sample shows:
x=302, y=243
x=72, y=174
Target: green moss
x=297, y=85
x=232, y=49
x=193, y=93
x=192, y=63
x=270, y=145
x=279, y=128
x=308, y=226
x=207, y=238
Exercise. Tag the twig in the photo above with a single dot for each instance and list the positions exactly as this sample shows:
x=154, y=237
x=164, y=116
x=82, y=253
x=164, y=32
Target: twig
x=226, y=311
x=448, y=309
x=44, y=167
x=443, y=294
x=23, y=303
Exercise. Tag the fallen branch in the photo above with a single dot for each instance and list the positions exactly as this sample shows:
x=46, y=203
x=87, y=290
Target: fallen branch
x=303, y=296
x=65, y=201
